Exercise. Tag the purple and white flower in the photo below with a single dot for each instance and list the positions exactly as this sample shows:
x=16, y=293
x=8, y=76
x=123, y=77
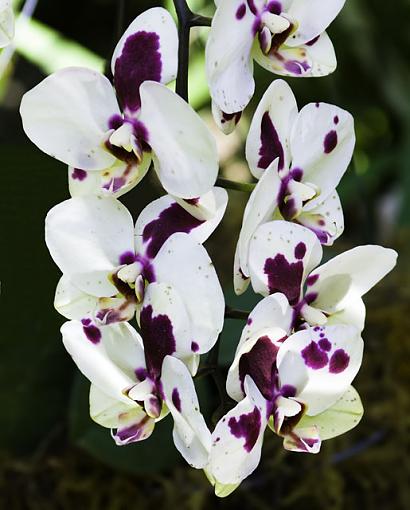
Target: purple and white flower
x=298, y=384
x=299, y=159
x=284, y=257
x=136, y=380
x=109, y=135
x=7, y=23
x=111, y=269
x=286, y=37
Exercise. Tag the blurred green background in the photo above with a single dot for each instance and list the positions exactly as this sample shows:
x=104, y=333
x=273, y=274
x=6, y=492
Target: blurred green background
x=52, y=456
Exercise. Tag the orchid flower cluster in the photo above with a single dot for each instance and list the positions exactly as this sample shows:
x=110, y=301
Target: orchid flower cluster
x=301, y=347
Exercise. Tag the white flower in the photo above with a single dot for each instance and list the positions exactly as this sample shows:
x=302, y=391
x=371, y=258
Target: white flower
x=6, y=23
x=283, y=257
x=135, y=382
x=111, y=269
x=74, y=116
x=299, y=385
x=300, y=158
x=286, y=37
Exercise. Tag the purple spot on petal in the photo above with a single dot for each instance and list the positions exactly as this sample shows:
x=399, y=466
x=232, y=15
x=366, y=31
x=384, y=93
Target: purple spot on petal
x=133, y=433
x=139, y=61
x=296, y=67
x=330, y=142
x=79, y=174
x=336, y=120
x=274, y=7
x=158, y=338
x=92, y=333
x=240, y=13
x=312, y=280
x=314, y=357
x=247, y=426
x=271, y=147
x=339, y=361
x=192, y=201
x=313, y=41
x=296, y=174
x=127, y=258
x=115, y=121
x=324, y=344
x=284, y=277
x=141, y=374
x=300, y=251
x=252, y=7
x=259, y=363
x=171, y=220
x=249, y=321
x=288, y=391
x=176, y=399
x=317, y=105
x=194, y=347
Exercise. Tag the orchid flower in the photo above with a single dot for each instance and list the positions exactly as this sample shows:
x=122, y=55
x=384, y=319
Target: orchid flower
x=300, y=158
x=135, y=382
x=6, y=23
x=298, y=384
x=283, y=257
x=286, y=37
x=108, y=265
x=74, y=116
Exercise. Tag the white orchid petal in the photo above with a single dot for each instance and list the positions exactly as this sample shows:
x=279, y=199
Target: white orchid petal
x=325, y=219
x=7, y=23
x=191, y=435
x=165, y=216
x=148, y=50
x=67, y=116
x=332, y=356
x=229, y=65
x=312, y=18
x=270, y=129
x=304, y=440
x=281, y=255
x=238, y=436
x=350, y=275
x=259, y=209
x=106, y=410
x=109, y=356
x=343, y=416
x=73, y=303
x=226, y=122
x=88, y=237
x=185, y=265
x=322, y=143
x=185, y=158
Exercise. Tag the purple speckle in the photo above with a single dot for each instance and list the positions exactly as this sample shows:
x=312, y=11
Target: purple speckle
x=314, y=357
x=313, y=41
x=171, y=220
x=288, y=391
x=247, y=426
x=141, y=374
x=249, y=321
x=259, y=363
x=330, y=142
x=324, y=344
x=271, y=147
x=240, y=13
x=91, y=331
x=274, y=7
x=312, y=280
x=176, y=400
x=284, y=277
x=296, y=174
x=139, y=61
x=78, y=174
x=133, y=433
x=300, y=251
x=158, y=338
x=317, y=328
x=126, y=258
x=336, y=120
x=115, y=184
x=252, y=6
x=339, y=361
x=115, y=121
x=192, y=201
x=317, y=105
x=194, y=347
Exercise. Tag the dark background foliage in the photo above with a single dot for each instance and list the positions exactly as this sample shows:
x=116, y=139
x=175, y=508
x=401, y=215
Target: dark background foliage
x=52, y=455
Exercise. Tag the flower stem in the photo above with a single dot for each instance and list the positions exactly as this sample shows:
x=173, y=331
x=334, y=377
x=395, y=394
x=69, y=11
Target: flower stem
x=186, y=20
x=246, y=187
